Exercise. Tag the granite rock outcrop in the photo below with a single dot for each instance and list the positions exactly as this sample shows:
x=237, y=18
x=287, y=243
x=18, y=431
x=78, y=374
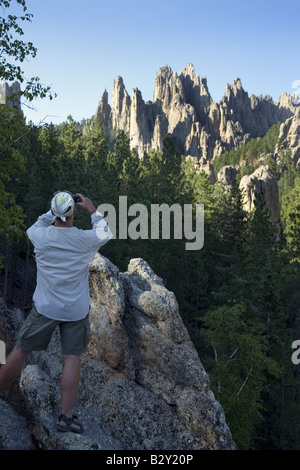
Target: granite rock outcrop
x=261, y=183
x=227, y=174
x=142, y=385
x=289, y=137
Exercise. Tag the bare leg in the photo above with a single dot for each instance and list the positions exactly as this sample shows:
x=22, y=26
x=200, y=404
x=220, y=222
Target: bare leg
x=13, y=366
x=69, y=384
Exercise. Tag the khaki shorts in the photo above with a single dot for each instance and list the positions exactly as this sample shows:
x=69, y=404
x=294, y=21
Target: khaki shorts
x=36, y=332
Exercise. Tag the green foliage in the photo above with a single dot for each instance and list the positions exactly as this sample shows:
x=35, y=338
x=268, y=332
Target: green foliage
x=239, y=363
x=13, y=50
x=291, y=220
x=12, y=164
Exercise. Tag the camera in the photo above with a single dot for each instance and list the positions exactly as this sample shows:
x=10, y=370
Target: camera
x=76, y=198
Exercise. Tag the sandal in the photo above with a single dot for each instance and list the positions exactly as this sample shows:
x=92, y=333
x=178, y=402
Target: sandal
x=68, y=426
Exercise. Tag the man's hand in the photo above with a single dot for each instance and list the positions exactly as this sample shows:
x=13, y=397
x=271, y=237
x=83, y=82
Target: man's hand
x=86, y=203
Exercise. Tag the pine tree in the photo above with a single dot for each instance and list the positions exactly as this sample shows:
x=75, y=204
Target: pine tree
x=239, y=369
x=12, y=165
x=291, y=221
x=244, y=323
x=95, y=150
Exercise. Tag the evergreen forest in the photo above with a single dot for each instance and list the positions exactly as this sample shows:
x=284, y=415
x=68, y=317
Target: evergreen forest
x=238, y=295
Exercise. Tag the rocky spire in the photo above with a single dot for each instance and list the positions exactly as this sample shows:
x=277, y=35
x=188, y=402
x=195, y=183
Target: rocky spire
x=140, y=137
x=103, y=109
x=121, y=102
x=9, y=94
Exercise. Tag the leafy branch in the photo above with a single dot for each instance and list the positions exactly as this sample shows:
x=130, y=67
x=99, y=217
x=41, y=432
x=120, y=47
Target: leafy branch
x=12, y=47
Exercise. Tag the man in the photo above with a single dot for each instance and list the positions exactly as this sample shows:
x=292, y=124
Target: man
x=61, y=297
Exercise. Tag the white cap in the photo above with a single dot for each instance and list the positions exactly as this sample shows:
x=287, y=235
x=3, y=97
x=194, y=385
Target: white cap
x=62, y=205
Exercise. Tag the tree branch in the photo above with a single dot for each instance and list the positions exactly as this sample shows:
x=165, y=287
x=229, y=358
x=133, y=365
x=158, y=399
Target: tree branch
x=244, y=383
x=24, y=135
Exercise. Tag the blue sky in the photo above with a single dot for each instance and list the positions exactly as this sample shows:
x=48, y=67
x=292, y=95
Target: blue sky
x=83, y=45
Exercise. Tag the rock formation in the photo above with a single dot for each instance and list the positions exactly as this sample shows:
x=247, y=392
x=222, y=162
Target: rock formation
x=142, y=386
x=289, y=137
x=227, y=175
x=182, y=107
x=202, y=164
x=9, y=94
x=261, y=183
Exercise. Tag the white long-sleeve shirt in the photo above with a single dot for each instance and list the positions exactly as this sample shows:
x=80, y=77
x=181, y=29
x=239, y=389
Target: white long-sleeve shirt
x=62, y=257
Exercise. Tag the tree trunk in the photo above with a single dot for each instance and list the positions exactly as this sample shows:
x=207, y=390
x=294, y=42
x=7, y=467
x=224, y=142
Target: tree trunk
x=6, y=272
x=25, y=278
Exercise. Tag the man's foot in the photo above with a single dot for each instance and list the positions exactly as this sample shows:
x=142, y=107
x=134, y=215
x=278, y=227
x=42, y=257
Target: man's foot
x=66, y=424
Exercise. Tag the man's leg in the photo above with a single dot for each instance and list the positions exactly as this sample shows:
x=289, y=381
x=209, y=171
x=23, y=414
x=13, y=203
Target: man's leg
x=34, y=335
x=69, y=384
x=75, y=336
x=13, y=366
